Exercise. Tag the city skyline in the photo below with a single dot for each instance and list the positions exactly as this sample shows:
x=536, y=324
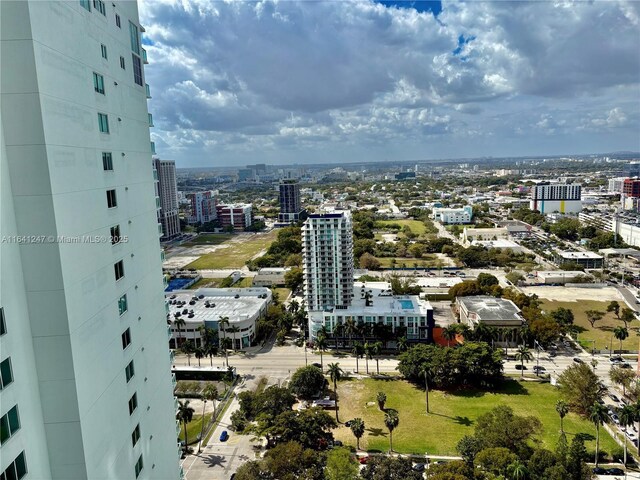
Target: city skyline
x=237, y=83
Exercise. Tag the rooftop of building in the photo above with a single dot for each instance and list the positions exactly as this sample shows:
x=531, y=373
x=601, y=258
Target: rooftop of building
x=496, y=243
x=209, y=304
x=383, y=302
x=575, y=255
x=486, y=307
x=559, y=273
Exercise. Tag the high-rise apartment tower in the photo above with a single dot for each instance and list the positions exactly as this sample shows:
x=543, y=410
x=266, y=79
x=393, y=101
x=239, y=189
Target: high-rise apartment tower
x=85, y=383
x=168, y=195
x=290, y=207
x=327, y=250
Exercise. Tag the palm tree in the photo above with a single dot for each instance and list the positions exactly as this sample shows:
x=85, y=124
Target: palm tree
x=381, y=398
x=350, y=327
x=367, y=354
x=199, y=353
x=518, y=470
x=187, y=349
x=234, y=330
x=321, y=344
x=226, y=345
x=179, y=323
x=621, y=334
x=335, y=373
x=391, y=421
x=562, y=408
x=598, y=415
x=376, y=350
x=210, y=392
x=294, y=306
x=402, y=344
x=211, y=350
x=636, y=412
x=425, y=372
x=357, y=351
x=337, y=332
x=627, y=416
x=185, y=415
x=357, y=428
x=524, y=355
x=223, y=323
x=449, y=333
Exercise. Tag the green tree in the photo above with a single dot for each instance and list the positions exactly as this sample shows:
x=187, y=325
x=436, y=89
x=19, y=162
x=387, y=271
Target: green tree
x=391, y=421
x=185, y=415
x=341, y=465
x=622, y=376
x=580, y=387
x=376, y=350
x=335, y=374
x=188, y=349
x=517, y=470
x=223, y=323
x=306, y=382
x=199, y=354
x=495, y=460
x=402, y=345
x=564, y=317
x=594, y=316
x=627, y=316
x=425, y=372
x=311, y=427
x=381, y=467
x=293, y=278
x=620, y=334
x=449, y=333
x=626, y=416
x=524, y=355
x=468, y=447
x=514, y=277
x=576, y=457
x=381, y=399
x=562, y=408
x=179, y=323
x=357, y=350
x=598, y=415
x=357, y=428
x=500, y=427
x=369, y=262
x=321, y=344
x=209, y=394
x=614, y=307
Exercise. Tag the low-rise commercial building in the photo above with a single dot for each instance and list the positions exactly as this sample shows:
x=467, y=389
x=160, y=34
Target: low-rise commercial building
x=239, y=216
x=501, y=244
x=498, y=313
x=373, y=303
x=551, y=277
x=584, y=259
x=469, y=235
x=242, y=307
x=270, y=277
x=449, y=216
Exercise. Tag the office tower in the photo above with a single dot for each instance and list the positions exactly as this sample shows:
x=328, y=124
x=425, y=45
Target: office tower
x=85, y=370
x=168, y=194
x=556, y=198
x=327, y=249
x=631, y=188
x=290, y=208
x=203, y=207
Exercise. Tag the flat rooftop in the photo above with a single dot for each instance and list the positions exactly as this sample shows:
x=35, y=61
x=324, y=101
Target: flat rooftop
x=496, y=243
x=487, y=308
x=579, y=255
x=209, y=304
x=559, y=273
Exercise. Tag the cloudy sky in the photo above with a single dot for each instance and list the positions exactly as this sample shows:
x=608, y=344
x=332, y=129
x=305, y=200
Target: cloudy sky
x=335, y=81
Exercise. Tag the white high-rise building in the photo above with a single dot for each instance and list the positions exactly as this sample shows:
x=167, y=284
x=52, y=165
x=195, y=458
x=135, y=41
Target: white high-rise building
x=85, y=384
x=556, y=198
x=327, y=249
x=168, y=195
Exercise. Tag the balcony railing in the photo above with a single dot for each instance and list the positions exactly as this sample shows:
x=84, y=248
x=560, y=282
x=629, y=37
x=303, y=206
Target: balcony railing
x=144, y=57
x=147, y=90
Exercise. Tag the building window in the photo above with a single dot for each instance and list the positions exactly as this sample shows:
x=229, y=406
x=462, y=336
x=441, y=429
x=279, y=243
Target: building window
x=86, y=4
x=98, y=83
x=6, y=373
x=135, y=436
x=122, y=63
x=112, y=201
x=133, y=404
x=103, y=122
x=3, y=325
x=16, y=469
x=122, y=304
x=115, y=235
x=9, y=424
x=134, y=37
x=118, y=21
x=99, y=6
x=107, y=161
x=126, y=338
x=137, y=69
x=118, y=269
x=103, y=49
x=139, y=466
x=129, y=371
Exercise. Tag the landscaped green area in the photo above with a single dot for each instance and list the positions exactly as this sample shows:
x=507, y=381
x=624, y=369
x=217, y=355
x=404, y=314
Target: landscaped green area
x=205, y=283
x=239, y=249
x=283, y=293
x=603, y=332
x=452, y=415
x=427, y=261
x=208, y=239
x=194, y=427
x=416, y=226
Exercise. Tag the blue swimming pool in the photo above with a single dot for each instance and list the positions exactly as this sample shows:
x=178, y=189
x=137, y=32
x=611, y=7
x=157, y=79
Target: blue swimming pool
x=406, y=304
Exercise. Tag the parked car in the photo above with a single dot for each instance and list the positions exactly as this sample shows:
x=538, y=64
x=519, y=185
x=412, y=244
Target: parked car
x=577, y=360
x=625, y=365
x=613, y=398
x=599, y=471
x=614, y=471
x=317, y=365
x=419, y=467
x=615, y=359
x=348, y=423
x=224, y=436
x=520, y=367
x=539, y=369
x=363, y=460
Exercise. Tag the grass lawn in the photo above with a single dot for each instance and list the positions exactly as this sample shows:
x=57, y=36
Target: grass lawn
x=416, y=226
x=194, y=427
x=603, y=330
x=239, y=250
x=283, y=293
x=244, y=282
x=452, y=415
x=205, y=283
x=427, y=261
x=208, y=239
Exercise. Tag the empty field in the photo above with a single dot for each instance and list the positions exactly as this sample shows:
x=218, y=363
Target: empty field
x=236, y=251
